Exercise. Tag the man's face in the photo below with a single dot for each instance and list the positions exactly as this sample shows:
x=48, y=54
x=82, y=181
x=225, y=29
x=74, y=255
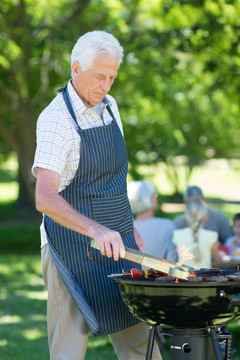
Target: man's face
x=236, y=227
x=93, y=84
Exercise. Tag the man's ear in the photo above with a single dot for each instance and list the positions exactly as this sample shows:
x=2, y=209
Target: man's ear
x=75, y=68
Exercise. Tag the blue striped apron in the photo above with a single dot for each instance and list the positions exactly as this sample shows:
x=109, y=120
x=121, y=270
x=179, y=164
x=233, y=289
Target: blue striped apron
x=99, y=192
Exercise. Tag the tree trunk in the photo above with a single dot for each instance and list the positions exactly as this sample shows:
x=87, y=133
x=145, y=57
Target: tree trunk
x=25, y=139
x=25, y=201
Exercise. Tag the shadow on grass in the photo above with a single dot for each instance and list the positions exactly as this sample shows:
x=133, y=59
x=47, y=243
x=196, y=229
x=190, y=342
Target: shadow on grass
x=23, y=323
x=20, y=239
x=23, y=331
x=24, y=340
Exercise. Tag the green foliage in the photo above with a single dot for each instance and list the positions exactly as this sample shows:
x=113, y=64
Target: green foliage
x=177, y=90
x=179, y=96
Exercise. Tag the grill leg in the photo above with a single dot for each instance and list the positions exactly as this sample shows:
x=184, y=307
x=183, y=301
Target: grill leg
x=215, y=343
x=151, y=335
x=159, y=338
x=228, y=348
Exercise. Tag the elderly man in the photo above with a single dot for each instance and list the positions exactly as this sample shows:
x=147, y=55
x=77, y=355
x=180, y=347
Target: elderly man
x=81, y=168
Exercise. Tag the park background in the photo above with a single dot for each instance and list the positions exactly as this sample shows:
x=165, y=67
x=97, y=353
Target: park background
x=178, y=95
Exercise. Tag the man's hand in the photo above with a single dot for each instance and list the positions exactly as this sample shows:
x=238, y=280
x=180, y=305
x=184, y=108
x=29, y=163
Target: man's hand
x=109, y=241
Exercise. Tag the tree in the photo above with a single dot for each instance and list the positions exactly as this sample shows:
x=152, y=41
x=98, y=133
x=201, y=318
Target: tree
x=31, y=66
x=183, y=58
x=177, y=89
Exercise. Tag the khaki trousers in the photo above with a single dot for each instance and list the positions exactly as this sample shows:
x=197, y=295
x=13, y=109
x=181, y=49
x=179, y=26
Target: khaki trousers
x=68, y=331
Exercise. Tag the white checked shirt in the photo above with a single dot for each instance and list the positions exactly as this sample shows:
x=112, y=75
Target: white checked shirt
x=58, y=142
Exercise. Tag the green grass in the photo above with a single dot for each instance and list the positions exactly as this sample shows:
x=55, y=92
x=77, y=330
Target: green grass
x=23, y=309
x=23, y=332
x=20, y=239
x=23, y=298
x=8, y=208
x=234, y=329
x=23, y=323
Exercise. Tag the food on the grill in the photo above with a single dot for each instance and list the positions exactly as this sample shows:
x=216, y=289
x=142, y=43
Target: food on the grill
x=201, y=275
x=195, y=279
x=233, y=277
x=137, y=274
x=145, y=274
x=166, y=279
x=207, y=272
x=216, y=278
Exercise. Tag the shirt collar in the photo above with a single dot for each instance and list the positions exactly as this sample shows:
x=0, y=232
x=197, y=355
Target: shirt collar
x=78, y=104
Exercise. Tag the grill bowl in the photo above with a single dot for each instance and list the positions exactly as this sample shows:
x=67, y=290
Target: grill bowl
x=180, y=305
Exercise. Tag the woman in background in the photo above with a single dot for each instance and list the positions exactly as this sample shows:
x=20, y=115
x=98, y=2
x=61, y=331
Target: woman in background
x=196, y=246
x=155, y=231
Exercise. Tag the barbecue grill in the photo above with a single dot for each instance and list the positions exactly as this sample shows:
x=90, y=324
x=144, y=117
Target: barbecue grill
x=191, y=312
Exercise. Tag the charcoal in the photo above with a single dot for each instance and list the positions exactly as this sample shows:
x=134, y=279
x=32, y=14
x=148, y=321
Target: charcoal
x=219, y=278
x=195, y=279
x=165, y=278
x=207, y=271
x=233, y=277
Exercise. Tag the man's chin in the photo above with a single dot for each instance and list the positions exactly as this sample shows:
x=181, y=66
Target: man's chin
x=97, y=99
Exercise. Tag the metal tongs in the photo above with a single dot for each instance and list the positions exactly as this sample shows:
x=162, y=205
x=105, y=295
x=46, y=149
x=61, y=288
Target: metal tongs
x=172, y=268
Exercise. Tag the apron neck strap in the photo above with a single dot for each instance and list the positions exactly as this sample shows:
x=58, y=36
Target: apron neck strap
x=67, y=100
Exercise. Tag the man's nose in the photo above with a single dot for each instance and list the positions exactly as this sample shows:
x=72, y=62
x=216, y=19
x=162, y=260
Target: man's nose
x=106, y=84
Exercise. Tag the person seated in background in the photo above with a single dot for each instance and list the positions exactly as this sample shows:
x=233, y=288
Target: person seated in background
x=216, y=221
x=155, y=231
x=196, y=246
x=233, y=242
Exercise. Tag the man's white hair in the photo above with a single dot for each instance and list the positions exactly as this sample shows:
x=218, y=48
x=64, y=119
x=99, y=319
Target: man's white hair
x=93, y=43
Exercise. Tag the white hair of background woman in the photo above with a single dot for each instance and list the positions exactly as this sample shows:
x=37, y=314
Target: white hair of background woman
x=93, y=43
x=140, y=194
x=195, y=214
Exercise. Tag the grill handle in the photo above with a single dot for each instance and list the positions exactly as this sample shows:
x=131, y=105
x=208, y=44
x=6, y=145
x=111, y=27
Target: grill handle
x=233, y=299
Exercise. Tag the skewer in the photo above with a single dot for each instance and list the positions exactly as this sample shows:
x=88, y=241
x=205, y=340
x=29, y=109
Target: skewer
x=113, y=275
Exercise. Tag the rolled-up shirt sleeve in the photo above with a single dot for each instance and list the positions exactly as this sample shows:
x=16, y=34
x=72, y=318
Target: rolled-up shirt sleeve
x=53, y=144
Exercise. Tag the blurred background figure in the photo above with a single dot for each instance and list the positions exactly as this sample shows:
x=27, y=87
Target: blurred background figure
x=233, y=242
x=216, y=221
x=197, y=247
x=156, y=231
